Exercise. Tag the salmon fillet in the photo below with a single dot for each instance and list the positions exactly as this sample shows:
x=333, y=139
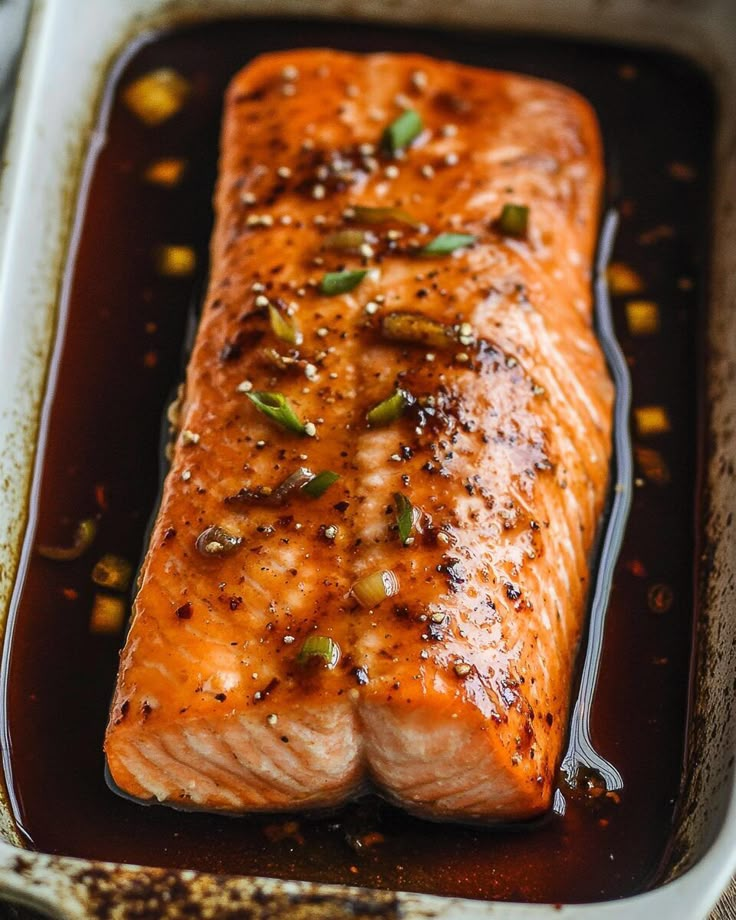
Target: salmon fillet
x=415, y=625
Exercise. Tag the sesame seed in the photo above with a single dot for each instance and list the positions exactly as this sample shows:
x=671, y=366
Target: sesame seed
x=310, y=372
x=285, y=219
x=367, y=150
x=366, y=251
x=352, y=90
x=189, y=437
x=186, y=475
x=424, y=654
x=288, y=89
x=323, y=331
x=419, y=80
x=403, y=101
x=371, y=307
x=257, y=287
x=318, y=192
x=322, y=172
x=310, y=429
x=462, y=669
x=245, y=386
x=308, y=144
x=437, y=617
x=462, y=357
x=318, y=220
x=396, y=458
x=391, y=172
x=442, y=537
x=333, y=376
x=466, y=329
x=427, y=171
x=261, y=300
x=331, y=531
x=290, y=73
x=283, y=172
x=272, y=718
x=448, y=130
x=451, y=159
x=348, y=213
x=260, y=443
x=248, y=198
x=430, y=356
x=394, y=235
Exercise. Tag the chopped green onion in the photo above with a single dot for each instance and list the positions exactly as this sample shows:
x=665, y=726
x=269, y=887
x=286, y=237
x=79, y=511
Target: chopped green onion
x=446, y=243
x=216, y=541
x=417, y=329
x=113, y=572
x=390, y=409
x=277, y=407
x=402, y=131
x=368, y=215
x=83, y=538
x=370, y=590
x=320, y=647
x=341, y=282
x=514, y=220
x=404, y=517
x=345, y=240
x=283, y=328
x=317, y=486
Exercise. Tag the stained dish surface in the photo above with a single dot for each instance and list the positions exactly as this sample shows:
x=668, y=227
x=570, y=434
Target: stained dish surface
x=121, y=355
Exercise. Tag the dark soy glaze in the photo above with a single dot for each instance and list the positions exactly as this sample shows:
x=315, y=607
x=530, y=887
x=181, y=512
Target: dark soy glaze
x=119, y=355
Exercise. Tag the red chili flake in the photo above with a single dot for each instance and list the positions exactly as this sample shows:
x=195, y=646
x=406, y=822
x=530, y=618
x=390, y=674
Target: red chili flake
x=185, y=611
x=636, y=568
x=150, y=359
x=101, y=497
x=70, y=594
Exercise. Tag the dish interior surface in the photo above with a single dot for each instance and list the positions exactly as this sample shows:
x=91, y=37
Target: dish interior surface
x=119, y=357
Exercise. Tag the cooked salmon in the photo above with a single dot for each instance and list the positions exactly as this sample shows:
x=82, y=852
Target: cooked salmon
x=371, y=558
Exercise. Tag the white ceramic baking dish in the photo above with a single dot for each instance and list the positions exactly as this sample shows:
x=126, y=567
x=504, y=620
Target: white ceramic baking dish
x=71, y=45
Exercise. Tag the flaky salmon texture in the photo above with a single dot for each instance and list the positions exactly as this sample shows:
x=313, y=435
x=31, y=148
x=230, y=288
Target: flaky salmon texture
x=400, y=296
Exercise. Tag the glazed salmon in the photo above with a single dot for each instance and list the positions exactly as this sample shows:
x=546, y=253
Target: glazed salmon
x=371, y=559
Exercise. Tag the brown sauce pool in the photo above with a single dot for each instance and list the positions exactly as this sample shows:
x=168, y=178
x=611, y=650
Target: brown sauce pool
x=119, y=355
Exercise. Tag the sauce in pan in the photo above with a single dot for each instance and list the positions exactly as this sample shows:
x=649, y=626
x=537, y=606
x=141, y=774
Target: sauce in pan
x=120, y=355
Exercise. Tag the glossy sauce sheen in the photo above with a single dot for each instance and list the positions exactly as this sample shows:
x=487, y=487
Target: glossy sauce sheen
x=121, y=355
x=451, y=695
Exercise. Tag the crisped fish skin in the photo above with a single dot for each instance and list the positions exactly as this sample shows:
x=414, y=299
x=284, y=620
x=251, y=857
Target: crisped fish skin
x=452, y=696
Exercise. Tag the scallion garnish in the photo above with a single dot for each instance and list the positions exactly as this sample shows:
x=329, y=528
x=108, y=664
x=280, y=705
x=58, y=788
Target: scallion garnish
x=83, y=538
x=284, y=328
x=317, y=486
x=277, y=407
x=345, y=240
x=404, y=516
x=514, y=220
x=369, y=215
x=446, y=243
x=390, y=409
x=319, y=647
x=341, y=282
x=370, y=590
x=402, y=131
x=417, y=329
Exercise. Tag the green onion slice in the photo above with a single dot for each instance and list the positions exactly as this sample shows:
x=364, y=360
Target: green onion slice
x=317, y=486
x=113, y=572
x=277, y=407
x=83, y=538
x=404, y=516
x=320, y=647
x=446, y=243
x=370, y=590
x=368, y=215
x=345, y=240
x=402, y=131
x=390, y=409
x=514, y=220
x=417, y=329
x=341, y=282
x=284, y=328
